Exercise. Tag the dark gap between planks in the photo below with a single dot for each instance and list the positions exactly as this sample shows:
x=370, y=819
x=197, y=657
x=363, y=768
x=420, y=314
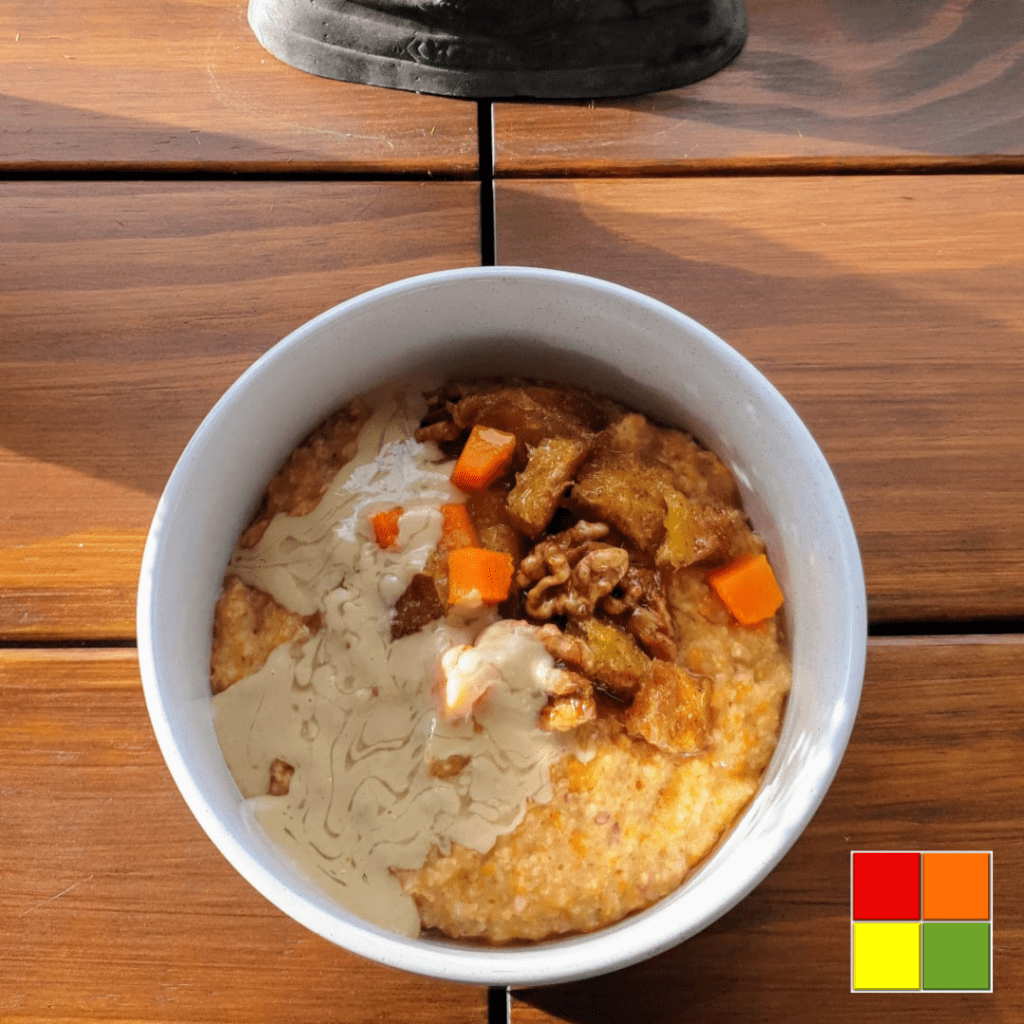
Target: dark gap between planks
x=485, y=142
x=499, y=1005
x=1010, y=626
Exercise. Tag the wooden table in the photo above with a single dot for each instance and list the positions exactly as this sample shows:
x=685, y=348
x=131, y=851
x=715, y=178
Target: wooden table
x=844, y=205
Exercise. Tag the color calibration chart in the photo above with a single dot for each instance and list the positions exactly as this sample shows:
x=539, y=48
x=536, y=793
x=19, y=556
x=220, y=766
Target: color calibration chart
x=921, y=921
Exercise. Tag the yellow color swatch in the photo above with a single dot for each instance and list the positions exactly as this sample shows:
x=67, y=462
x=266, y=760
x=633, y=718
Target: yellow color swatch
x=887, y=955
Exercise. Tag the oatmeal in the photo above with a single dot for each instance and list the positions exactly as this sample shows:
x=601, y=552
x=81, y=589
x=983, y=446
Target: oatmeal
x=500, y=660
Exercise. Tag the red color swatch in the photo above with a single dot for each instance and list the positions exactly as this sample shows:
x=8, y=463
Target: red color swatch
x=886, y=886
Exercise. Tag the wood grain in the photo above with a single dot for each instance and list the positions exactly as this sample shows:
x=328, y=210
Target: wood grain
x=183, y=85
x=127, y=309
x=116, y=906
x=933, y=764
x=821, y=84
x=888, y=310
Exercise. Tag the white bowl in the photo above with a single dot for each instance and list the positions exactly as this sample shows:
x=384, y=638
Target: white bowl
x=542, y=324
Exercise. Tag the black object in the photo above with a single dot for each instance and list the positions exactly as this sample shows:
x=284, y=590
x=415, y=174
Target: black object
x=484, y=49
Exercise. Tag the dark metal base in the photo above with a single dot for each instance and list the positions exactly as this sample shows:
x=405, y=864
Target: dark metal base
x=484, y=49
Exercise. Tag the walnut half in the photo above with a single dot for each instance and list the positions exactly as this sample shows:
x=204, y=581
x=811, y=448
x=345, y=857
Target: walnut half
x=568, y=574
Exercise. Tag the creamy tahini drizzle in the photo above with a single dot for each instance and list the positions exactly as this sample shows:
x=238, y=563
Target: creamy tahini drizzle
x=354, y=711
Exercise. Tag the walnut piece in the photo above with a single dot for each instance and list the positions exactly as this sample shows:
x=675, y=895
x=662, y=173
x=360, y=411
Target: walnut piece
x=640, y=600
x=442, y=430
x=567, y=574
x=572, y=701
x=564, y=714
x=653, y=629
x=570, y=650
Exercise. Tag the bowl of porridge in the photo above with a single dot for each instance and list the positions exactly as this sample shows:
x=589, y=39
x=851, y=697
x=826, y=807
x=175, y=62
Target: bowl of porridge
x=502, y=625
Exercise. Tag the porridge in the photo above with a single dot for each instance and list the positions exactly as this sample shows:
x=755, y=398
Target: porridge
x=498, y=660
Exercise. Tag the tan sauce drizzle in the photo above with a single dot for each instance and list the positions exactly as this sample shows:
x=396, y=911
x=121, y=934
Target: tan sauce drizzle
x=353, y=711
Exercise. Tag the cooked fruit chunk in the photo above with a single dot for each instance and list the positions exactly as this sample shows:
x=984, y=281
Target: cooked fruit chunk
x=618, y=664
x=541, y=486
x=622, y=484
x=534, y=413
x=457, y=530
x=697, y=472
x=418, y=606
x=489, y=513
x=694, y=531
x=671, y=710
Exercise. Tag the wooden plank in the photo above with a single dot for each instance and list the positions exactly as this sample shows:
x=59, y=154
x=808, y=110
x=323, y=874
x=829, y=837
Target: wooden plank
x=117, y=907
x=127, y=309
x=933, y=764
x=820, y=85
x=888, y=310
x=183, y=85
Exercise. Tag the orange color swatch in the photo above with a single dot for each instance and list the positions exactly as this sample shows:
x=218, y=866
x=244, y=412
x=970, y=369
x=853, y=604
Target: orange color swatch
x=956, y=886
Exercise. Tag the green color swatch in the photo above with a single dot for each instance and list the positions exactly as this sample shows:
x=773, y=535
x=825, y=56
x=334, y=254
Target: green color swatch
x=956, y=955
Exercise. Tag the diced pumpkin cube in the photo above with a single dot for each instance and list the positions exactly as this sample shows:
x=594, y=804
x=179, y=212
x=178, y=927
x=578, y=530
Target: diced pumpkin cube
x=477, y=576
x=486, y=456
x=385, y=526
x=748, y=588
